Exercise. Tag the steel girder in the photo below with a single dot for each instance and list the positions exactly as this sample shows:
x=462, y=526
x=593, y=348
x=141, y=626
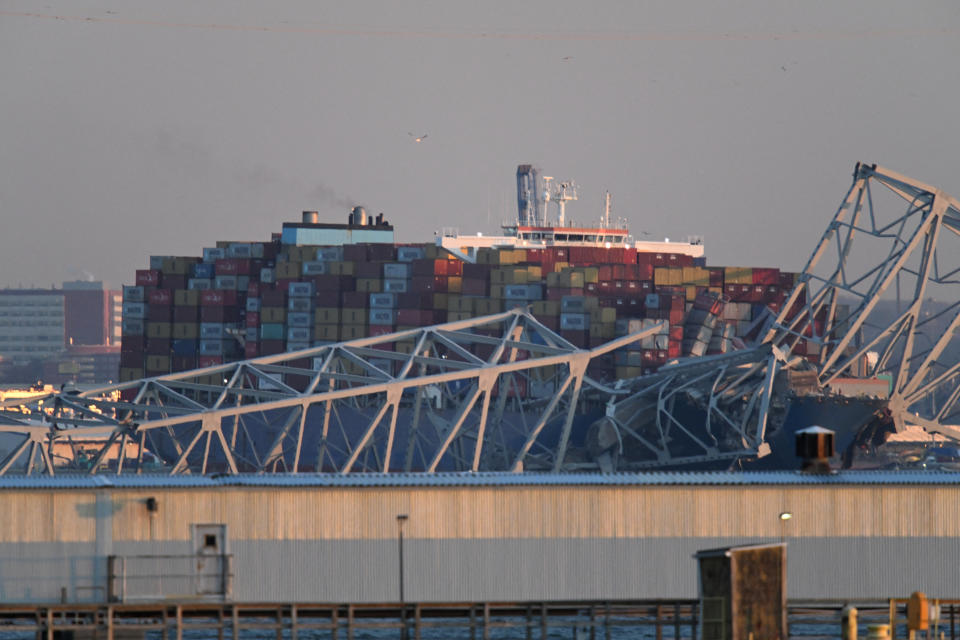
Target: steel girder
x=456, y=396
x=724, y=407
x=906, y=252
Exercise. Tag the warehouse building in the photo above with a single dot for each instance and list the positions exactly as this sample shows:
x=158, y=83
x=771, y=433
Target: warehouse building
x=468, y=537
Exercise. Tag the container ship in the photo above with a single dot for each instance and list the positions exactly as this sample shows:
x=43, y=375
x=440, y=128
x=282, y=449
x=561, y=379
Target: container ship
x=317, y=283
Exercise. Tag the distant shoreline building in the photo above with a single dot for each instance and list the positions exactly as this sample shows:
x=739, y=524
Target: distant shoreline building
x=70, y=334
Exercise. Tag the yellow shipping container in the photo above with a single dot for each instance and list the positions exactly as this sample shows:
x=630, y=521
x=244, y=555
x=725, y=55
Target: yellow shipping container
x=440, y=299
x=130, y=373
x=667, y=276
x=273, y=315
x=369, y=285
x=178, y=266
x=627, y=372
x=738, y=275
x=159, y=330
x=185, y=331
x=696, y=276
x=349, y=316
x=456, y=316
x=467, y=304
x=545, y=308
x=534, y=273
x=553, y=279
x=288, y=269
x=329, y=332
x=601, y=331
x=353, y=331
x=496, y=291
x=327, y=315
x=158, y=363
x=186, y=298
x=691, y=293
x=487, y=306
x=591, y=275
x=453, y=302
x=454, y=284
x=68, y=367
x=572, y=279
x=341, y=268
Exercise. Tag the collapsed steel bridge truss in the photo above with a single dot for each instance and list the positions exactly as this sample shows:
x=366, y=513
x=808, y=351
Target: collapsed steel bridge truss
x=499, y=392
x=836, y=324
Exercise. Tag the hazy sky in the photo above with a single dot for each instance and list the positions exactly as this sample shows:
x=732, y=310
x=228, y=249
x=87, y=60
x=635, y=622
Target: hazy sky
x=135, y=128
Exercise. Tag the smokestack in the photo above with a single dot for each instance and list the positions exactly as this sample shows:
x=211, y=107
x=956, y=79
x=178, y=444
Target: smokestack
x=310, y=217
x=815, y=448
x=359, y=216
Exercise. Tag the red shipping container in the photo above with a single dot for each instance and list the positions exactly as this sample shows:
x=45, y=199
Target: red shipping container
x=481, y=271
x=673, y=348
x=605, y=272
x=355, y=299
x=174, y=281
x=474, y=286
x=630, y=256
x=271, y=347
x=219, y=314
x=273, y=297
x=414, y=301
x=218, y=298
x=209, y=361
x=253, y=290
x=516, y=387
x=148, y=277
x=591, y=288
x=160, y=297
x=579, y=339
x=159, y=313
x=283, y=284
x=368, y=269
x=429, y=267
x=158, y=346
x=129, y=395
x=425, y=284
x=381, y=252
x=251, y=350
x=416, y=317
x=355, y=253
x=132, y=344
x=380, y=329
x=766, y=276
x=644, y=272
x=454, y=267
x=184, y=363
x=716, y=277
x=186, y=314
x=253, y=319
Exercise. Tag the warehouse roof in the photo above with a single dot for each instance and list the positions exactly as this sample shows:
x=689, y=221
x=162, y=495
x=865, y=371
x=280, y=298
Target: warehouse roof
x=656, y=478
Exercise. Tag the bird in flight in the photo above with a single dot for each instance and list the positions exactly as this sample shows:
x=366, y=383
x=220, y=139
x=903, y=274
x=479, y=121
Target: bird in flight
x=417, y=138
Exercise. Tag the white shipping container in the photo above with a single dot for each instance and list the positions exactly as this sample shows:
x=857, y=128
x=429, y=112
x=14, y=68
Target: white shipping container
x=409, y=254
x=225, y=283
x=132, y=327
x=239, y=250
x=253, y=304
x=330, y=254
x=212, y=331
x=383, y=300
x=267, y=275
x=382, y=316
x=574, y=321
x=297, y=345
x=242, y=283
x=572, y=304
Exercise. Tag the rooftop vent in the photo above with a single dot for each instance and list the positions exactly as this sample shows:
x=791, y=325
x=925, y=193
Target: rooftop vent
x=311, y=217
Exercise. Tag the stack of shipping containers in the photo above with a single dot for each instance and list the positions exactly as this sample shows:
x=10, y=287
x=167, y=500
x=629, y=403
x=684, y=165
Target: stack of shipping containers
x=248, y=299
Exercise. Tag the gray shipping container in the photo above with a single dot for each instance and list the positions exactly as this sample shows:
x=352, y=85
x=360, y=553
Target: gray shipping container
x=314, y=268
x=295, y=334
x=297, y=345
x=212, y=347
x=225, y=283
x=300, y=289
x=383, y=300
x=523, y=292
x=253, y=304
x=572, y=304
x=383, y=316
x=133, y=294
x=574, y=321
x=134, y=310
x=409, y=254
x=300, y=304
x=652, y=301
x=396, y=270
x=330, y=254
x=212, y=254
x=300, y=319
x=240, y=250
x=132, y=326
x=156, y=262
x=212, y=331
x=200, y=284
x=267, y=275
x=396, y=285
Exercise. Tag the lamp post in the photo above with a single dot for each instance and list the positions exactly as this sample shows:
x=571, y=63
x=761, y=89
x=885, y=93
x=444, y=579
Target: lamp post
x=401, y=519
x=784, y=516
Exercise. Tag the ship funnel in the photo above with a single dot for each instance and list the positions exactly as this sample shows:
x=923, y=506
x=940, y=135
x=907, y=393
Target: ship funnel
x=815, y=448
x=311, y=217
x=359, y=216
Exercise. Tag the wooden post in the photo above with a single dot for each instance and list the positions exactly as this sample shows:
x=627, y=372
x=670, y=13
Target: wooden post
x=349, y=622
x=486, y=621
x=235, y=622
x=593, y=622
x=659, y=622
x=543, y=620
x=220, y=618
x=179, y=622
x=473, y=622
x=49, y=623
x=293, y=622
x=109, y=622
x=606, y=624
x=416, y=622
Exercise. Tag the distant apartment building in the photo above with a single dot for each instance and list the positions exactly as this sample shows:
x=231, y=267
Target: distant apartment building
x=42, y=332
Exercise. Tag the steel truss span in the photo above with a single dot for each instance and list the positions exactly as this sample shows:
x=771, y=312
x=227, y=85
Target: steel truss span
x=505, y=393
x=494, y=393
x=834, y=325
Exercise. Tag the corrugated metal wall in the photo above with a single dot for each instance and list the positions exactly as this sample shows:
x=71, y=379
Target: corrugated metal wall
x=478, y=543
